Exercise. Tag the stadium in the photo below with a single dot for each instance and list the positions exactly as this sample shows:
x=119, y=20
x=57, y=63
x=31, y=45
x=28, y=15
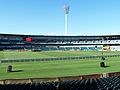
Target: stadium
x=59, y=60
x=35, y=53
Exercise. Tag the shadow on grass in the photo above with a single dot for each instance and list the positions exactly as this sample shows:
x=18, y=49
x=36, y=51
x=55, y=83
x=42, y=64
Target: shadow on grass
x=105, y=66
x=17, y=71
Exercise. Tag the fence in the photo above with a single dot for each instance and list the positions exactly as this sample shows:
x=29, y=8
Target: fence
x=57, y=58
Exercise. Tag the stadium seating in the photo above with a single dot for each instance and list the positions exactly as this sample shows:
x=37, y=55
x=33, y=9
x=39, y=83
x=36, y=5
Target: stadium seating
x=53, y=48
x=84, y=49
x=92, y=48
x=76, y=48
x=68, y=48
x=112, y=83
x=61, y=48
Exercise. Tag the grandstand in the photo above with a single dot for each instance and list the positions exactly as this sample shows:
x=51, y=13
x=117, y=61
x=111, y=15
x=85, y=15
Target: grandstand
x=112, y=83
x=46, y=43
x=72, y=50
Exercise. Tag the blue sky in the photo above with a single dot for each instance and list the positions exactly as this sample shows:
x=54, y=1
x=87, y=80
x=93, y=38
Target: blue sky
x=46, y=17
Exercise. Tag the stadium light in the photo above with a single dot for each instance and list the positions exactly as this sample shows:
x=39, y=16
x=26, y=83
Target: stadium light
x=66, y=11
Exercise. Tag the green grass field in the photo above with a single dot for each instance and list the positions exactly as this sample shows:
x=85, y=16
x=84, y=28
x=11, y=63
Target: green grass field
x=59, y=68
x=27, y=54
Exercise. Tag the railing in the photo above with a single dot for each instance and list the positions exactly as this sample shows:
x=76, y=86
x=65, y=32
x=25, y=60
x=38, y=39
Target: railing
x=55, y=58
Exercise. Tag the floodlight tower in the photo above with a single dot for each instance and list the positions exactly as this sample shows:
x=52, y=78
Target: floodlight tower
x=66, y=11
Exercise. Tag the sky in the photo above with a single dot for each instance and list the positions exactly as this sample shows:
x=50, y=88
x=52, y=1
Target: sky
x=46, y=17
